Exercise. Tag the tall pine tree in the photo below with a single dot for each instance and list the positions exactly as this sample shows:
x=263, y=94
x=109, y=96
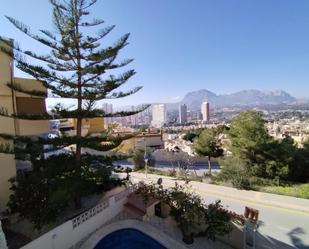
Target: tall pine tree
x=76, y=67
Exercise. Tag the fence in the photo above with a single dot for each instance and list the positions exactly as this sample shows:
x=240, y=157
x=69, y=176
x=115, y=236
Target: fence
x=74, y=231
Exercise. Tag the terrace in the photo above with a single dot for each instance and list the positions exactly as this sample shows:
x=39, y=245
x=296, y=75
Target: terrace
x=122, y=210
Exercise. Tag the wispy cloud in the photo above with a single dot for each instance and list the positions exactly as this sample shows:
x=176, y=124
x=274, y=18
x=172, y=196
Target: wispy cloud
x=176, y=98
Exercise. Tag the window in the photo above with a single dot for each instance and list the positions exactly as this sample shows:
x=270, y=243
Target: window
x=30, y=105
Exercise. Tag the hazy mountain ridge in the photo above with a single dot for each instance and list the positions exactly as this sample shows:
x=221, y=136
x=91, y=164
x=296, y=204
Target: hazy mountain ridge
x=242, y=98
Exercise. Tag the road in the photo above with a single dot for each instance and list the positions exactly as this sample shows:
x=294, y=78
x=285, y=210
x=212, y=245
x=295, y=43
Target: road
x=279, y=227
x=198, y=167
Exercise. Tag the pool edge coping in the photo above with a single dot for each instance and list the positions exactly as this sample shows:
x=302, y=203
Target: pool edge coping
x=147, y=229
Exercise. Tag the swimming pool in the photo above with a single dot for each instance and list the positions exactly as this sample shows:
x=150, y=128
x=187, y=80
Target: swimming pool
x=128, y=238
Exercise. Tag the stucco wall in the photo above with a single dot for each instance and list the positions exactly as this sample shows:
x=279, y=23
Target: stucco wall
x=235, y=238
x=9, y=126
x=5, y=71
x=32, y=127
x=28, y=84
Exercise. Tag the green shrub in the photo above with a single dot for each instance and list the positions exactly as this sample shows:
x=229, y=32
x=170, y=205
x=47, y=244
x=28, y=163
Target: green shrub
x=299, y=190
x=259, y=181
x=241, y=182
x=235, y=171
x=171, y=173
x=137, y=158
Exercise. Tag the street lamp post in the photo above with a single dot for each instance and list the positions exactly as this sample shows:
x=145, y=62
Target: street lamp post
x=146, y=159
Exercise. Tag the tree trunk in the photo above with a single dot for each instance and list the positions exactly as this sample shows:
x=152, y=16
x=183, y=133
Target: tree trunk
x=209, y=165
x=77, y=199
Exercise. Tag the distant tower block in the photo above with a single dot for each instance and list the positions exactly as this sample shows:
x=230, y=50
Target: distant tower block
x=205, y=111
x=108, y=108
x=183, y=114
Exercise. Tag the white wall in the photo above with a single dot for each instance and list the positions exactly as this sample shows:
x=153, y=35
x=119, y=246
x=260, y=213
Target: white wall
x=65, y=236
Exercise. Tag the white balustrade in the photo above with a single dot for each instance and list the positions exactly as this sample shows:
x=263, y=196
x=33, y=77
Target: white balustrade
x=74, y=231
x=89, y=213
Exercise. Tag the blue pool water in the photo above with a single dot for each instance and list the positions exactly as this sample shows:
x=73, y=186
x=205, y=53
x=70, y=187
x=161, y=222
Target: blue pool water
x=128, y=239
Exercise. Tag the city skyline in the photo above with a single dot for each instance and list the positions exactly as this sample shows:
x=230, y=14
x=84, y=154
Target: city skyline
x=222, y=46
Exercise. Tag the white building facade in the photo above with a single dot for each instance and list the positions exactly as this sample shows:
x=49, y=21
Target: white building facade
x=205, y=111
x=159, y=116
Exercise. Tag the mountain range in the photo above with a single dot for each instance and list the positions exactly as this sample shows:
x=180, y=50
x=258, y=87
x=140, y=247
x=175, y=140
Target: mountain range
x=193, y=100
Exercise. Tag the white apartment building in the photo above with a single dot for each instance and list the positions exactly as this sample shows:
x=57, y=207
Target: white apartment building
x=205, y=111
x=159, y=116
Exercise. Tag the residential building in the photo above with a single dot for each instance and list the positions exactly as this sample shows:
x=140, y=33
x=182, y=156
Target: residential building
x=18, y=103
x=205, y=111
x=183, y=114
x=159, y=117
x=152, y=139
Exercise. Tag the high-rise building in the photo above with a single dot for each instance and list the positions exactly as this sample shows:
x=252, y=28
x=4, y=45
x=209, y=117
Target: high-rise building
x=205, y=111
x=159, y=117
x=183, y=114
x=108, y=108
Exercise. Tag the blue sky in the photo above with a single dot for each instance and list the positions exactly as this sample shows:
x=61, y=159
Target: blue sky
x=180, y=46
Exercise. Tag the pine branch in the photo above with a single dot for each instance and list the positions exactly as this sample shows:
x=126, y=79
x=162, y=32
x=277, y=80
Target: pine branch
x=28, y=116
x=104, y=146
x=101, y=34
x=117, y=95
x=6, y=148
x=97, y=69
x=26, y=30
x=112, y=83
x=42, y=74
x=49, y=34
x=94, y=22
x=127, y=113
x=62, y=114
x=110, y=52
x=95, y=95
x=56, y=4
x=6, y=136
x=90, y=3
x=37, y=72
x=43, y=58
x=17, y=87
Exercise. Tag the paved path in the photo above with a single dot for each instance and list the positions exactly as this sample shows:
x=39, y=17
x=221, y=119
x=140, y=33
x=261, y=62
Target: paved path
x=284, y=221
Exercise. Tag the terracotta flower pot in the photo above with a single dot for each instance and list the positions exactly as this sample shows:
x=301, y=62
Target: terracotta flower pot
x=188, y=238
